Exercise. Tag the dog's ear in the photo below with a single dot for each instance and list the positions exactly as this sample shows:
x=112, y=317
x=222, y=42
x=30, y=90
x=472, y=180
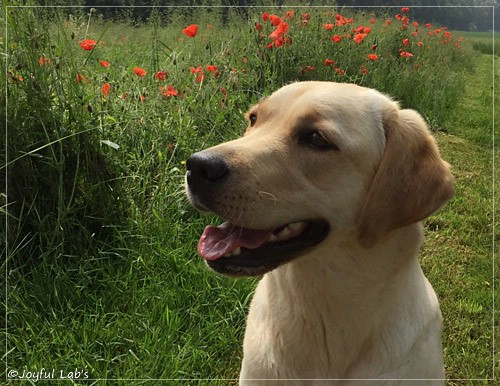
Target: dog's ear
x=412, y=181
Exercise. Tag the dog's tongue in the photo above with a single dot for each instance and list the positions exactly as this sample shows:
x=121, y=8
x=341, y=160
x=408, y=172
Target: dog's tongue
x=215, y=242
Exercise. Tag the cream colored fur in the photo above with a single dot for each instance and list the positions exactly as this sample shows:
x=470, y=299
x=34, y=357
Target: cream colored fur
x=358, y=305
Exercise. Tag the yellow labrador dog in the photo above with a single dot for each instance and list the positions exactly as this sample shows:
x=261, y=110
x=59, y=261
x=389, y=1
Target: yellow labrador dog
x=323, y=195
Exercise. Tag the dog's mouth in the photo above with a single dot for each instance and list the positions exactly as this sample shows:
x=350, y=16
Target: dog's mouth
x=235, y=251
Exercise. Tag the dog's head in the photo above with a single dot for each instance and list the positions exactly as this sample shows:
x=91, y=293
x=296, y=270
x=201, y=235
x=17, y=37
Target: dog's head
x=317, y=158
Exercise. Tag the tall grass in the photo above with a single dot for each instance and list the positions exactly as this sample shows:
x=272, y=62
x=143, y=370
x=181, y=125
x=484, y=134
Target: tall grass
x=102, y=272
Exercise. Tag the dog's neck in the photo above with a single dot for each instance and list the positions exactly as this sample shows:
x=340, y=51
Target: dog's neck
x=342, y=300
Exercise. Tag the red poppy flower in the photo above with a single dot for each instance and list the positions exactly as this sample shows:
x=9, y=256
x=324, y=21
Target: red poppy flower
x=196, y=70
x=328, y=26
x=420, y=44
x=372, y=56
x=88, y=44
x=161, y=75
x=364, y=70
x=405, y=9
x=281, y=29
x=214, y=70
x=104, y=63
x=406, y=42
x=191, y=30
x=278, y=42
x=42, y=61
x=336, y=38
x=105, y=89
x=275, y=20
x=388, y=22
x=328, y=62
x=169, y=91
x=289, y=14
x=405, y=54
x=428, y=25
x=358, y=38
x=374, y=47
x=339, y=71
x=265, y=16
x=139, y=71
x=373, y=21
x=259, y=27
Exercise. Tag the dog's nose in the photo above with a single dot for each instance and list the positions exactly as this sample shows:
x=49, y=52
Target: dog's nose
x=204, y=168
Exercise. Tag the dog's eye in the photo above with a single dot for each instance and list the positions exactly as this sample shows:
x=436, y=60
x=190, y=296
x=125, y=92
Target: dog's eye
x=252, y=118
x=317, y=141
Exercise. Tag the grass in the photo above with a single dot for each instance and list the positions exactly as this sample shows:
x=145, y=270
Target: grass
x=102, y=271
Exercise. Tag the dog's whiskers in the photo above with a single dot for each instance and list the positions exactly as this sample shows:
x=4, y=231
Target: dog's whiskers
x=267, y=195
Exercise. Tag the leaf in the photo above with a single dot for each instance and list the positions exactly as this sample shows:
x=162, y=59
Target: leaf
x=110, y=144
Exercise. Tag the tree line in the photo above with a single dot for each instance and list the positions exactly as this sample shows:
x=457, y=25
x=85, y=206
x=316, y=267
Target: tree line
x=465, y=15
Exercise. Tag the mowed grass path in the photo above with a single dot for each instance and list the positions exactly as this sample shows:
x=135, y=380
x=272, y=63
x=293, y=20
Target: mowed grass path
x=458, y=251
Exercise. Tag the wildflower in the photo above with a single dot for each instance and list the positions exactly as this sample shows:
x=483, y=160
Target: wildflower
x=339, y=71
x=305, y=19
x=358, y=38
x=191, y=30
x=373, y=57
x=406, y=42
x=328, y=26
x=275, y=20
x=214, y=70
x=277, y=34
x=104, y=63
x=341, y=20
x=278, y=42
x=364, y=70
x=388, y=22
x=42, y=61
x=374, y=47
x=289, y=15
x=88, y=44
x=199, y=71
x=405, y=54
x=161, y=75
x=196, y=70
x=168, y=91
x=265, y=16
x=328, y=62
x=428, y=25
x=336, y=38
x=420, y=44
x=105, y=89
x=373, y=21
x=405, y=9
x=259, y=27
x=140, y=72
x=362, y=30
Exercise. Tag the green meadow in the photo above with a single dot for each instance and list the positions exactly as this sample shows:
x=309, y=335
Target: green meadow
x=102, y=281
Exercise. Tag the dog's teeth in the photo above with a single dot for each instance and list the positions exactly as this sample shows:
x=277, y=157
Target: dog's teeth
x=296, y=225
x=272, y=238
x=237, y=251
x=284, y=233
